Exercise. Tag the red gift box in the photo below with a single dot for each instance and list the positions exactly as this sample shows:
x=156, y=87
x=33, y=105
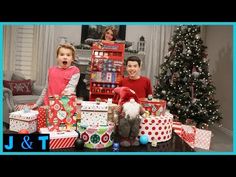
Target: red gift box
x=64, y=139
x=62, y=113
x=42, y=117
x=156, y=107
x=188, y=134
x=158, y=128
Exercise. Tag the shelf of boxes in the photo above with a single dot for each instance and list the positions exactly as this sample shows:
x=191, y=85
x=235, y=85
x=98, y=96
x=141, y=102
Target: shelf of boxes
x=107, y=69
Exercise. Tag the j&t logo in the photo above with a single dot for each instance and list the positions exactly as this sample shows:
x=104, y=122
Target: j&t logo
x=29, y=142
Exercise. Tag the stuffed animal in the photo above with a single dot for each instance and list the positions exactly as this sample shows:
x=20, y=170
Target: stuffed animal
x=129, y=111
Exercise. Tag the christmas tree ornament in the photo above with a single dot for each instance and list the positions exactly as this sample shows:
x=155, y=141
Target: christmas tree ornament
x=143, y=139
x=197, y=36
x=163, y=92
x=195, y=74
x=116, y=147
x=23, y=131
x=169, y=103
x=79, y=144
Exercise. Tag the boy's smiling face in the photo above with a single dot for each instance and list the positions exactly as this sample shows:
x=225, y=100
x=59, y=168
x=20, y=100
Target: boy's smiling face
x=133, y=69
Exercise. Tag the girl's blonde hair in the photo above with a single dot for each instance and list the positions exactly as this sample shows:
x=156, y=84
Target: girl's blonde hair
x=67, y=46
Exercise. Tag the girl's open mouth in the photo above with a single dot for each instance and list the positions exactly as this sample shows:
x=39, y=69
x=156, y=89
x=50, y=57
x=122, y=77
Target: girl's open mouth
x=64, y=62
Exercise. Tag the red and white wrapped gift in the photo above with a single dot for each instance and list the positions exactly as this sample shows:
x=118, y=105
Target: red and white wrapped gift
x=23, y=120
x=63, y=139
x=93, y=113
x=177, y=127
x=203, y=139
x=62, y=110
x=42, y=117
x=158, y=128
x=188, y=134
x=156, y=107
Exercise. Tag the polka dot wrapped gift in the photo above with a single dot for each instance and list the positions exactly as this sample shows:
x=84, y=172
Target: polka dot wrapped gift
x=95, y=136
x=23, y=120
x=158, y=128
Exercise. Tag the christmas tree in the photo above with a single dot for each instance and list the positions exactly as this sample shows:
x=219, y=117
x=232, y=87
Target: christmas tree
x=184, y=80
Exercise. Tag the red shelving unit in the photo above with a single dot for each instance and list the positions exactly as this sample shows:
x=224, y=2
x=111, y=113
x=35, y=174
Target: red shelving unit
x=107, y=70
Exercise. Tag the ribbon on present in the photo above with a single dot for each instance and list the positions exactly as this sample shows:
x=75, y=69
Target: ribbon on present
x=188, y=134
x=177, y=127
x=20, y=107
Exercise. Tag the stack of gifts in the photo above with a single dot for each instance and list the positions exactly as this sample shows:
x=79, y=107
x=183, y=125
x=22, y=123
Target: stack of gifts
x=24, y=119
x=157, y=124
x=94, y=127
x=60, y=118
x=195, y=137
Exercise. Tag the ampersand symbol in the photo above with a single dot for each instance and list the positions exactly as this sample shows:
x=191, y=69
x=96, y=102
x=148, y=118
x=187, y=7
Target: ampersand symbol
x=26, y=143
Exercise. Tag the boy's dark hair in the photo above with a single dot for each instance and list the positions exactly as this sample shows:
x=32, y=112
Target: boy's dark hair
x=133, y=58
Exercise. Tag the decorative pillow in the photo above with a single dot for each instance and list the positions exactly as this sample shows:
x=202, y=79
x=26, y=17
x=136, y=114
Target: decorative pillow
x=19, y=87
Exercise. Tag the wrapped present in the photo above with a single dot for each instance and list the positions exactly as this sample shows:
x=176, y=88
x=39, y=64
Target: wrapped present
x=62, y=113
x=177, y=127
x=202, y=139
x=155, y=107
x=188, y=134
x=20, y=107
x=42, y=117
x=23, y=120
x=62, y=139
x=158, y=128
x=93, y=113
x=97, y=137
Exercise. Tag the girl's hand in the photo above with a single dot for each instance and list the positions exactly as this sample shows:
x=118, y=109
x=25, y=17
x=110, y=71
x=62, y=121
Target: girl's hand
x=34, y=107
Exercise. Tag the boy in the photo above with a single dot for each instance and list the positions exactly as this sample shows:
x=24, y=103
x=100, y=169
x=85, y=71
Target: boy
x=140, y=84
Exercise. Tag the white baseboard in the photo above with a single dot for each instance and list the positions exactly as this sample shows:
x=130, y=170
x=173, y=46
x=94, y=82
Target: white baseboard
x=224, y=130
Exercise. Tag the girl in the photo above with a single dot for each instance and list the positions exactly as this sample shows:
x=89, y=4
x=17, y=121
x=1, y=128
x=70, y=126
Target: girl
x=63, y=78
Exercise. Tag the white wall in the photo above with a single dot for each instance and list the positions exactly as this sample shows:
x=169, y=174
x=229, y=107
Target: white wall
x=219, y=41
x=134, y=32
x=72, y=32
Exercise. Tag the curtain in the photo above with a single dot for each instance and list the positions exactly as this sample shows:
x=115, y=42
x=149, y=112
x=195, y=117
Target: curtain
x=9, y=51
x=44, y=52
x=156, y=50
